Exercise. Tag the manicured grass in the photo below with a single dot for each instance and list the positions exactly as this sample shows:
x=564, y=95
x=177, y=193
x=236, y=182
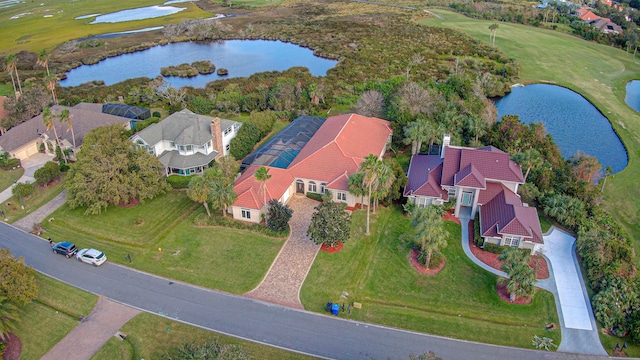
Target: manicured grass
x=545, y=222
x=32, y=31
x=152, y=337
x=6, y=89
x=460, y=302
x=238, y=258
x=52, y=316
x=13, y=208
x=598, y=72
x=8, y=177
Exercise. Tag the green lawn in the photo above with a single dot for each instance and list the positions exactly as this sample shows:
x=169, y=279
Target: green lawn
x=598, y=72
x=52, y=316
x=460, y=302
x=13, y=207
x=6, y=89
x=151, y=337
x=7, y=178
x=231, y=260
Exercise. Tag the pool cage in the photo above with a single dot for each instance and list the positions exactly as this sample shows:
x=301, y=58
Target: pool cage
x=127, y=111
x=281, y=149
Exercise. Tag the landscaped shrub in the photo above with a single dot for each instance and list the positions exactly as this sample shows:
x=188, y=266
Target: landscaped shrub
x=436, y=259
x=314, y=196
x=156, y=114
x=23, y=189
x=243, y=143
x=7, y=162
x=49, y=172
x=477, y=239
x=63, y=167
x=216, y=220
x=493, y=248
x=141, y=125
x=278, y=215
x=179, y=182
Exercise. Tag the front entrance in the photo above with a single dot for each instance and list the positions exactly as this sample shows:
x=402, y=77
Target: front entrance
x=299, y=186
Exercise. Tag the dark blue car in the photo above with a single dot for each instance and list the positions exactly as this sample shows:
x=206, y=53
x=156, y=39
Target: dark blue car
x=65, y=248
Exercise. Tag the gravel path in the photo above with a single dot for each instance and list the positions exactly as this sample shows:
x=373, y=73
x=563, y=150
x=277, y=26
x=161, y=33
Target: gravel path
x=282, y=283
x=93, y=332
x=38, y=216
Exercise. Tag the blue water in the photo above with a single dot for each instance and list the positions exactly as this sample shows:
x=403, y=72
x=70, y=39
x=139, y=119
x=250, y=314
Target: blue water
x=241, y=57
x=148, y=12
x=573, y=122
x=632, y=98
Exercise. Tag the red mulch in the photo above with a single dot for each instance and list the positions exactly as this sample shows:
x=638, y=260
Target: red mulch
x=413, y=258
x=491, y=259
x=13, y=349
x=505, y=296
x=331, y=249
x=449, y=217
x=354, y=207
x=132, y=203
x=49, y=185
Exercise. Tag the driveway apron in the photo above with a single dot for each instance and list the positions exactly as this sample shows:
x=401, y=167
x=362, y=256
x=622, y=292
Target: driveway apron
x=30, y=165
x=282, y=283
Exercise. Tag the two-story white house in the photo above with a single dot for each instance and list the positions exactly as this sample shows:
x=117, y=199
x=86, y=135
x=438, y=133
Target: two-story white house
x=186, y=143
x=483, y=180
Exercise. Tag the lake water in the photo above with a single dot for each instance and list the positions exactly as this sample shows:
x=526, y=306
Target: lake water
x=632, y=98
x=573, y=122
x=148, y=12
x=241, y=57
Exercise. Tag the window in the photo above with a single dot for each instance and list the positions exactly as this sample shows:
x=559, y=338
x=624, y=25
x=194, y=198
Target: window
x=181, y=147
x=342, y=196
x=322, y=186
x=172, y=144
x=312, y=186
x=246, y=213
x=228, y=147
x=452, y=192
x=509, y=240
x=422, y=202
x=227, y=131
x=189, y=147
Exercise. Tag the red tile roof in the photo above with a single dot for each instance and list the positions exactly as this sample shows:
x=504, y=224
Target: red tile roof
x=249, y=190
x=489, y=163
x=504, y=214
x=333, y=153
x=584, y=14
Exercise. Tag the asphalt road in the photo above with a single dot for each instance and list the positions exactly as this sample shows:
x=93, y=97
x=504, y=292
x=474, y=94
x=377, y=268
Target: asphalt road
x=314, y=334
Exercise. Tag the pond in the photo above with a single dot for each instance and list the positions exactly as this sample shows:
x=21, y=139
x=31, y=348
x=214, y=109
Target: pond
x=573, y=122
x=241, y=57
x=148, y=12
x=632, y=97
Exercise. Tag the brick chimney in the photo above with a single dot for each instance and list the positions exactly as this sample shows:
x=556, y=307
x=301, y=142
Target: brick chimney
x=217, y=137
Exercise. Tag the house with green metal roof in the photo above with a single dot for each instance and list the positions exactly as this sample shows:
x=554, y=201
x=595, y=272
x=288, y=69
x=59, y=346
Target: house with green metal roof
x=186, y=142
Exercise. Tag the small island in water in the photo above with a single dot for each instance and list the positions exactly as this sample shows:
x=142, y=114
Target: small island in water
x=189, y=70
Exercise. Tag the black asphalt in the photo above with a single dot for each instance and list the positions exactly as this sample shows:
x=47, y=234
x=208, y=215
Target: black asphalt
x=315, y=334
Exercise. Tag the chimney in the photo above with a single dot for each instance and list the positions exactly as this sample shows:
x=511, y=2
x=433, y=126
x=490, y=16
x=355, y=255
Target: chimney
x=217, y=137
x=446, y=141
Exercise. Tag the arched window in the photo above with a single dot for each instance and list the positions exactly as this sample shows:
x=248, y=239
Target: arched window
x=312, y=186
x=322, y=186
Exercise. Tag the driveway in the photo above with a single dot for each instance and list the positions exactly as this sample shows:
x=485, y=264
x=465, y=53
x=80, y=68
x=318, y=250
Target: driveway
x=297, y=330
x=30, y=166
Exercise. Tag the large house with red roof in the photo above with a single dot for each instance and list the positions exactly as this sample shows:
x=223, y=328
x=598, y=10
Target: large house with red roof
x=483, y=180
x=325, y=162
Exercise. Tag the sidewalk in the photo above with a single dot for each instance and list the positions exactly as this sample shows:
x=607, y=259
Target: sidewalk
x=106, y=318
x=30, y=166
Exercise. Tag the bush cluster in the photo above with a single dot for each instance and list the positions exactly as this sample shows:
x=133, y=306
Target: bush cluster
x=49, y=172
x=179, y=182
x=214, y=220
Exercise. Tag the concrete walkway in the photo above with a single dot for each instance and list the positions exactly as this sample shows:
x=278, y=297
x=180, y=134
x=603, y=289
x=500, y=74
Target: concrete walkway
x=38, y=216
x=93, y=332
x=577, y=322
x=30, y=166
x=282, y=283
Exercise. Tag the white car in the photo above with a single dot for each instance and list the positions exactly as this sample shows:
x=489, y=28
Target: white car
x=91, y=256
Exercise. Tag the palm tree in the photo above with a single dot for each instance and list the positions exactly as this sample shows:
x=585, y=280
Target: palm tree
x=607, y=171
x=47, y=119
x=65, y=118
x=418, y=132
x=430, y=232
x=356, y=187
x=222, y=195
x=494, y=29
x=8, y=317
x=199, y=192
x=369, y=170
x=50, y=82
x=43, y=59
x=522, y=277
x=11, y=65
x=385, y=178
x=530, y=158
x=262, y=175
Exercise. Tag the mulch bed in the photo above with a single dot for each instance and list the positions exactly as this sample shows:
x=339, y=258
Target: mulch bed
x=13, y=349
x=505, y=296
x=331, y=249
x=413, y=258
x=449, y=217
x=132, y=203
x=49, y=185
x=491, y=259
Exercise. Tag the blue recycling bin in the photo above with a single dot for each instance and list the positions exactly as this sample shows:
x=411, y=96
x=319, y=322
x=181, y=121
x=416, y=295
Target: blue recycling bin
x=335, y=309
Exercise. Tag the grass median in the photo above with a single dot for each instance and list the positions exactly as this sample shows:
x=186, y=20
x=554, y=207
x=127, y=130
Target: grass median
x=460, y=302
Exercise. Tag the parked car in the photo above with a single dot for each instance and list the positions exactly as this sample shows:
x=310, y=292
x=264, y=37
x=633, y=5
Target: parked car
x=65, y=248
x=91, y=256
